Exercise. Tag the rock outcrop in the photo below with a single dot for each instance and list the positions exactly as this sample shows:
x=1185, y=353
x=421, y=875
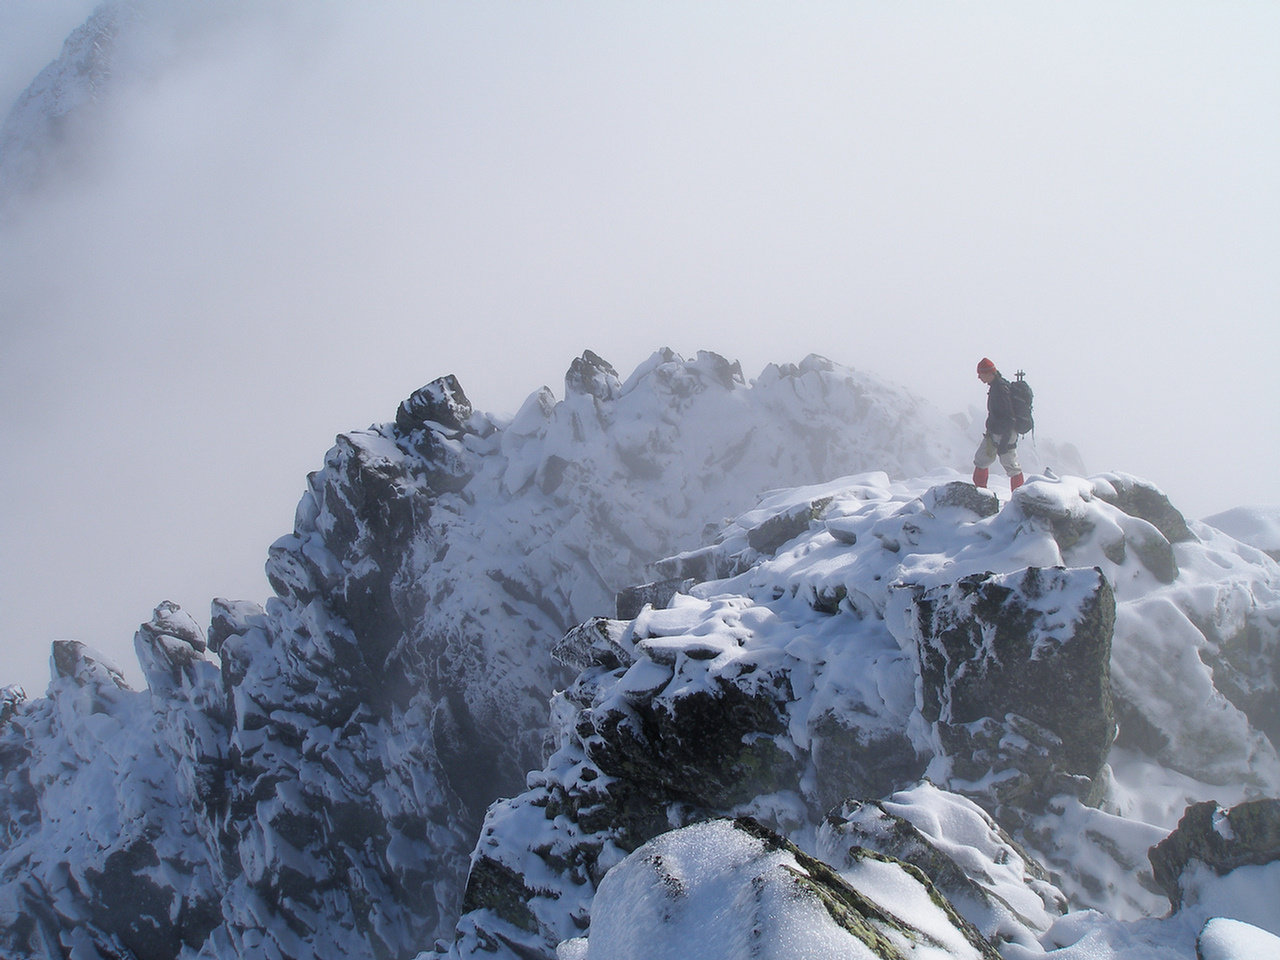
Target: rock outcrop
x=1015, y=677
x=1222, y=840
x=983, y=872
x=136, y=844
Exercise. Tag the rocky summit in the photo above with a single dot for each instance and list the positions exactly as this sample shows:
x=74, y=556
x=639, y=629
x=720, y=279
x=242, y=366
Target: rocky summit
x=677, y=635
x=925, y=673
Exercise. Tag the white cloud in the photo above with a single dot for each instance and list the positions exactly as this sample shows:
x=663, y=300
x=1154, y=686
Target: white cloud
x=318, y=208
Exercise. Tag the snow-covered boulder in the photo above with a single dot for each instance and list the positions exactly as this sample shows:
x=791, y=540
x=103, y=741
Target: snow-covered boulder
x=1224, y=939
x=983, y=872
x=1208, y=836
x=734, y=890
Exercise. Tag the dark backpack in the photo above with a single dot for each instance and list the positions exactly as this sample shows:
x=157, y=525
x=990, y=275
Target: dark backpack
x=1020, y=399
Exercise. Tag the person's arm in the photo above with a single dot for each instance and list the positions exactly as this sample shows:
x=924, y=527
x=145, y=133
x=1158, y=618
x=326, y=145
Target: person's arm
x=999, y=412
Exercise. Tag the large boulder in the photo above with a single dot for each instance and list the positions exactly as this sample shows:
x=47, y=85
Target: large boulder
x=983, y=872
x=1015, y=680
x=1145, y=501
x=678, y=716
x=734, y=890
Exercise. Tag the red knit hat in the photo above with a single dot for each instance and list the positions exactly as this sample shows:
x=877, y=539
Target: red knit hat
x=986, y=366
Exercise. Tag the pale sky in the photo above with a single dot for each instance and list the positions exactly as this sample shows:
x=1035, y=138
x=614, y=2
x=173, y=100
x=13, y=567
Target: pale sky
x=317, y=208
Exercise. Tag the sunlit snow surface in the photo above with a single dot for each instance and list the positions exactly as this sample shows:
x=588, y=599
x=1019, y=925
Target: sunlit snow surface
x=902, y=538
x=1224, y=939
x=709, y=891
x=877, y=535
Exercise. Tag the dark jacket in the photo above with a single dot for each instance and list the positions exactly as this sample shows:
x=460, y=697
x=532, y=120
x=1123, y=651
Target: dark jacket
x=999, y=409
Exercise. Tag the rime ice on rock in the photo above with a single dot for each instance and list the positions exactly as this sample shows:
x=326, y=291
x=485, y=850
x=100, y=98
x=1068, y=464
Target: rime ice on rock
x=983, y=872
x=1016, y=681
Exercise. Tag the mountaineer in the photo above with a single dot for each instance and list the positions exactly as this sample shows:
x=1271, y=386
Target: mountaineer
x=1001, y=436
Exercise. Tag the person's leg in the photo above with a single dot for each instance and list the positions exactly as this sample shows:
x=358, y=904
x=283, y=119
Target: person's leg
x=1009, y=460
x=982, y=460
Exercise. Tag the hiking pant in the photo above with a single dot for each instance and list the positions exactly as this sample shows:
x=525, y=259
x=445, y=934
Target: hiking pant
x=989, y=449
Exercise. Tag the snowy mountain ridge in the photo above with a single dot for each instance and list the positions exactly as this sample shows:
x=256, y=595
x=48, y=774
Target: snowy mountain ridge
x=889, y=661
x=678, y=665
x=324, y=764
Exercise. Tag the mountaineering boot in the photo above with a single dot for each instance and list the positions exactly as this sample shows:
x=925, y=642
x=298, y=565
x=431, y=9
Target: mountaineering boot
x=1015, y=482
x=980, y=475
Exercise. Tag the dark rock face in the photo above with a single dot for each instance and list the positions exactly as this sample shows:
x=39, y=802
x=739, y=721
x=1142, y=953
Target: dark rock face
x=631, y=600
x=714, y=748
x=364, y=507
x=440, y=403
x=597, y=643
x=1246, y=835
x=963, y=496
x=766, y=538
x=77, y=662
x=126, y=901
x=1027, y=655
x=848, y=756
x=592, y=376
